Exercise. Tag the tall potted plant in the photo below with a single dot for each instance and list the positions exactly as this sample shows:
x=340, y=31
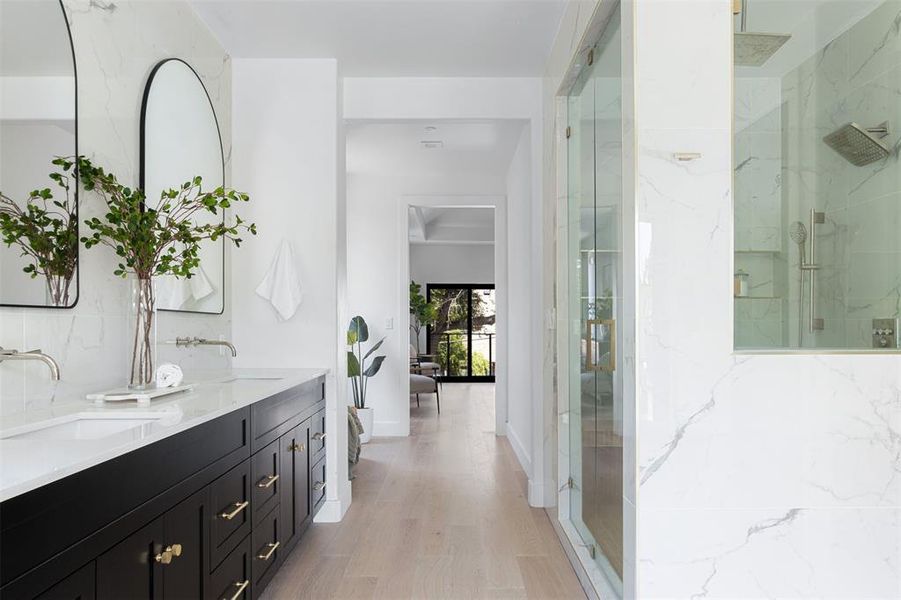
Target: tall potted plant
x=359, y=372
x=422, y=312
x=152, y=241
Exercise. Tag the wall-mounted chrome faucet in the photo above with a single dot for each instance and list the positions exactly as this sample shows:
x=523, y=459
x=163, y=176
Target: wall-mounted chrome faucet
x=190, y=342
x=32, y=355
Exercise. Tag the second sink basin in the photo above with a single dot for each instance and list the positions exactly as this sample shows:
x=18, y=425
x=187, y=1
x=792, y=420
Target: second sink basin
x=89, y=427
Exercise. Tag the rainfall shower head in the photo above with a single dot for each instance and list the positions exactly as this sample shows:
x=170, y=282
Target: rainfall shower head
x=798, y=234
x=754, y=49
x=859, y=146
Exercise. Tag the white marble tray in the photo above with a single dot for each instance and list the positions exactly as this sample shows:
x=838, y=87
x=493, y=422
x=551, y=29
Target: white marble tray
x=142, y=396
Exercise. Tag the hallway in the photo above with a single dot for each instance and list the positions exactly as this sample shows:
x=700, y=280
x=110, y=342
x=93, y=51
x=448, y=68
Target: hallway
x=439, y=514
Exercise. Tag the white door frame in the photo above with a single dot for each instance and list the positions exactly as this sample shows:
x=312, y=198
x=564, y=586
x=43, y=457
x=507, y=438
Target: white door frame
x=499, y=203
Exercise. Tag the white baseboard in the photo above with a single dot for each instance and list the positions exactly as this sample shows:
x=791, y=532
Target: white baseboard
x=542, y=494
x=333, y=511
x=519, y=449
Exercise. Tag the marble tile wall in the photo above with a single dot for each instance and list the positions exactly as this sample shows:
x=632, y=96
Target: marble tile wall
x=759, y=476
x=117, y=43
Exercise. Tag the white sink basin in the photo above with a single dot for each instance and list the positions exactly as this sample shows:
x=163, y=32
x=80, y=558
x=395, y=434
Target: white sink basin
x=252, y=378
x=89, y=427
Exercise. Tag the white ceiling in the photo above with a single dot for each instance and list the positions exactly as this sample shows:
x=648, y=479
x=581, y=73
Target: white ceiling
x=469, y=147
x=443, y=225
x=377, y=38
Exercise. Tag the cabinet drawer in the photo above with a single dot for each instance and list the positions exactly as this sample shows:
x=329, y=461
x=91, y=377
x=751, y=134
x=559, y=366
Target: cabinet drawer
x=77, y=586
x=230, y=502
x=276, y=415
x=267, y=550
x=231, y=579
x=265, y=475
x=317, y=485
x=317, y=435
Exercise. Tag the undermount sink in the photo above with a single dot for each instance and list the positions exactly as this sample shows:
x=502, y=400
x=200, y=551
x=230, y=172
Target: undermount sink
x=252, y=378
x=89, y=427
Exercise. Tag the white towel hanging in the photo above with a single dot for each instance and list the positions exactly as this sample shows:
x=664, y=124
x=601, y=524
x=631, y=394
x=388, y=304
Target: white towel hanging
x=281, y=285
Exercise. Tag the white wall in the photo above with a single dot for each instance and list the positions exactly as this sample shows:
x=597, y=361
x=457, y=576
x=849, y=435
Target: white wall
x=287, y=127
x=374, y=256
x=451, y=263
x=115, y=49
x=521, y=360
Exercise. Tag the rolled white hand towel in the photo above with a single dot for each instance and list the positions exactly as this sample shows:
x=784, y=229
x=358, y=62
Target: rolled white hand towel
x=168, y=375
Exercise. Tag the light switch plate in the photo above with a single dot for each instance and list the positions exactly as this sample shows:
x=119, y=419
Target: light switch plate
x=389, y=323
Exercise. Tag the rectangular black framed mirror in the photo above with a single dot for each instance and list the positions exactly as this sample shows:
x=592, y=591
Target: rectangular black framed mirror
x=38, y=124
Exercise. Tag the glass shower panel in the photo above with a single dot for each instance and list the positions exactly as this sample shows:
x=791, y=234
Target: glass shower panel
x=595, y=284
x=818, y=179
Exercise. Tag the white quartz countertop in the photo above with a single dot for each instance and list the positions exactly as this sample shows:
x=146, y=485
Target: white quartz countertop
x=31, y=455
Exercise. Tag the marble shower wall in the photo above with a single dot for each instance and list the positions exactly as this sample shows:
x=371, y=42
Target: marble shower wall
x=857, y=77
x=117, y=43
x=759, y=475
x=760, y=236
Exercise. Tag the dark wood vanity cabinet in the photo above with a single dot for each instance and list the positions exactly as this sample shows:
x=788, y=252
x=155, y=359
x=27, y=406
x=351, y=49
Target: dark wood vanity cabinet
x=221, y=532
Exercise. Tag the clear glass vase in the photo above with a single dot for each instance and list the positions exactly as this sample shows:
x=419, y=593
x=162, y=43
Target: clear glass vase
x=142, y=329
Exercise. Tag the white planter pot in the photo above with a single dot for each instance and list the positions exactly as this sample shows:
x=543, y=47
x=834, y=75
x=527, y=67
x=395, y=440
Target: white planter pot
x=366, y=419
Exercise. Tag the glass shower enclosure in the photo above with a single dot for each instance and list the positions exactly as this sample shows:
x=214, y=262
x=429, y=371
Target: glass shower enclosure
x=596, y=302
x=817, y=177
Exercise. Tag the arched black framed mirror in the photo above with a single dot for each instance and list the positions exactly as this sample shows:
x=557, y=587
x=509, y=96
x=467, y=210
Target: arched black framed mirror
x=180, y=139
x=38, y=123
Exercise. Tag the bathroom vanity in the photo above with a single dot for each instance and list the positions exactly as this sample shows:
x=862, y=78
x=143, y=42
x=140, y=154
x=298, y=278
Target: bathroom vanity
x=201, y=496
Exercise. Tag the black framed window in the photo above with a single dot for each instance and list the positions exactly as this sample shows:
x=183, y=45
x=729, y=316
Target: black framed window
x=463, y=339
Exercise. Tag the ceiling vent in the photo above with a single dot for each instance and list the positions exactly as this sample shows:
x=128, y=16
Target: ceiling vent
x=431, y=144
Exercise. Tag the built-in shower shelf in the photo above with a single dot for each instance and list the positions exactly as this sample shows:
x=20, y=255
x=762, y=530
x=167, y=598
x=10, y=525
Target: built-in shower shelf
x=758, y=297
x=758, y=251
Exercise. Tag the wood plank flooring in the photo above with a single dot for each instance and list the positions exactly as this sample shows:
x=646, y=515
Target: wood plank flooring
x=440, y=514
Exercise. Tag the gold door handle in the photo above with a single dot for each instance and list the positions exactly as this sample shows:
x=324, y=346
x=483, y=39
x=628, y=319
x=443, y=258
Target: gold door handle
x=590, y=365
x=238, y=507
x=318, y=485
x=241, y=585
x=297, y=448
x=165, y=557
x=318, y=436
x=268, y=554
x=267, y=481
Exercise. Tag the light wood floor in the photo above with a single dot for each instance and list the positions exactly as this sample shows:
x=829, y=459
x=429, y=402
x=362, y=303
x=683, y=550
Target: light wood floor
x=440, y=514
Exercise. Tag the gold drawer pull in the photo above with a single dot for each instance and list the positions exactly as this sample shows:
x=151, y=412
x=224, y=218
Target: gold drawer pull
x=297, y=448
x=318, y=485
x=318, y=436
x=267, y=481
x=165, y=557
x=239, y=506
x=268, y=555
x=241, y=585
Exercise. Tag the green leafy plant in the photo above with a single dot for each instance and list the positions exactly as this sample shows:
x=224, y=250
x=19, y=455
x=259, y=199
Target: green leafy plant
x=422, y=312
x=46, y=231
x=151, y=241
x=357, y=369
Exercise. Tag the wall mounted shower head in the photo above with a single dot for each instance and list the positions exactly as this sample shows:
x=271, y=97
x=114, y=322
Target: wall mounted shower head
x=858, y=145
x=798, y=234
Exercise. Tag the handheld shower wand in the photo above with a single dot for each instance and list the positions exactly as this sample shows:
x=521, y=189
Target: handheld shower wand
x=798, y=234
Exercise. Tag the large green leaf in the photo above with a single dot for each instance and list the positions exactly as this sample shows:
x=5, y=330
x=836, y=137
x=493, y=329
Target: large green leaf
x=353, y=365
x=358, y=329
x=374, y=366
x=374, y=348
